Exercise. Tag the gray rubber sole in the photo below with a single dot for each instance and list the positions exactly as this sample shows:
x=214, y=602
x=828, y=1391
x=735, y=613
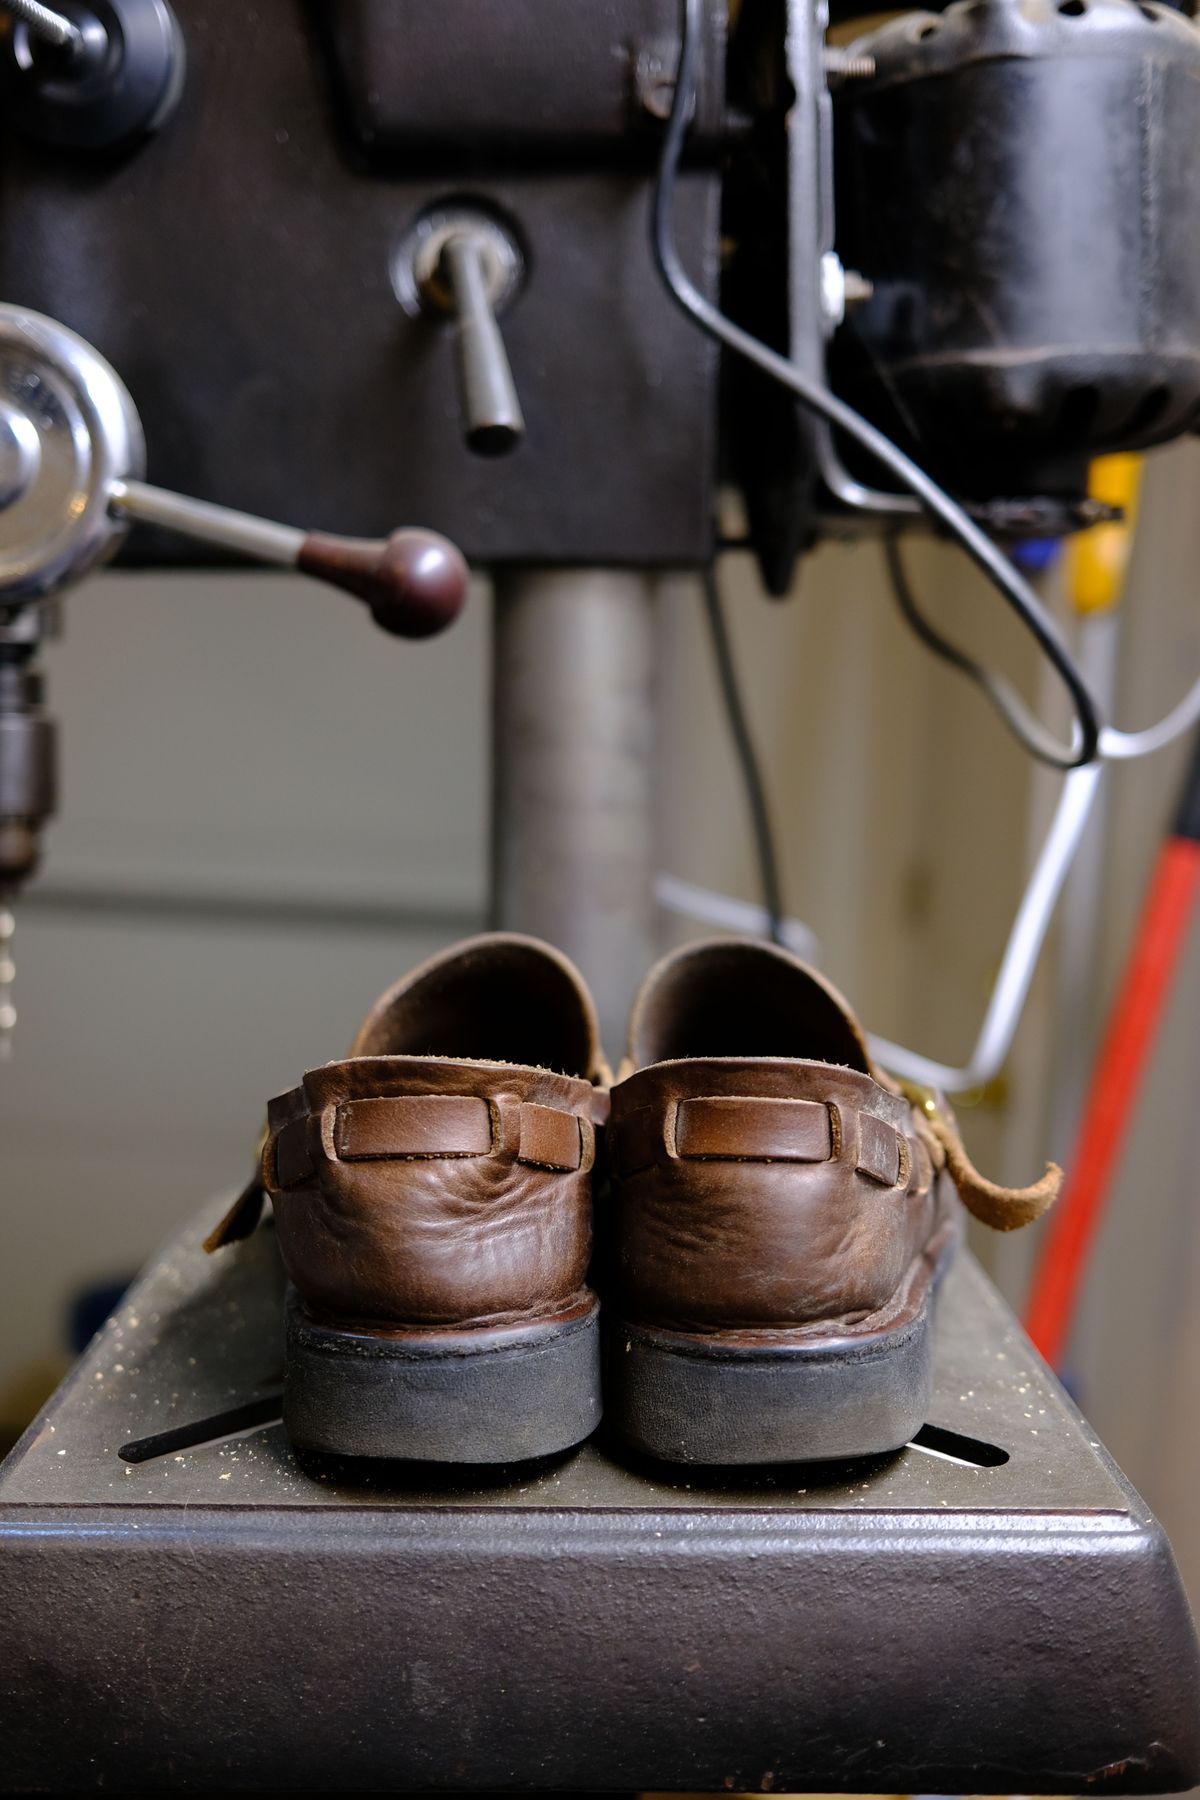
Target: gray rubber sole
x=693, y=1399
x=494, y=1396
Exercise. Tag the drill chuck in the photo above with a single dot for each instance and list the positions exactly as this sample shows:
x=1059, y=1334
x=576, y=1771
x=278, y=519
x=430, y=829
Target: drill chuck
x=28, y=773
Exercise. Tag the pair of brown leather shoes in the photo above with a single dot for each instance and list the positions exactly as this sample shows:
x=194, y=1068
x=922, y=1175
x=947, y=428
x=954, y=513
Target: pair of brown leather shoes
x=773, y=1214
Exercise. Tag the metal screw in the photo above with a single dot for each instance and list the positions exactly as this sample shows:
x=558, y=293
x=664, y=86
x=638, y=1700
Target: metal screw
x=858, y=288
x=846, y=65
x=654, y=80
x=53, y=27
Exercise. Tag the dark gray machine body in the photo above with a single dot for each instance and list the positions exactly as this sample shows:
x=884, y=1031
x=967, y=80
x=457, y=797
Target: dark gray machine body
x=218, y=1615
x=237, y=268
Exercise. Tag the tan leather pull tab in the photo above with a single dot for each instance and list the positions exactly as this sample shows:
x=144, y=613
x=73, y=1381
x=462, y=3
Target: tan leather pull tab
x=1004, y=1209
x=243, y=1216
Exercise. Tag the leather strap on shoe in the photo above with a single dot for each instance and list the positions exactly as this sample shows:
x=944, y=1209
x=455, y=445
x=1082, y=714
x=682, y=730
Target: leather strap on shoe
x=243, y=1216
x=424, y=1127
x=414, y=1126
x=759, y=1128
x=1004, y=1209
x=411, y=1128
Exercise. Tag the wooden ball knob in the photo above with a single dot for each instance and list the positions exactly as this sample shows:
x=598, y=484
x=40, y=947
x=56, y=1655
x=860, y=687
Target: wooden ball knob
x=414, y=582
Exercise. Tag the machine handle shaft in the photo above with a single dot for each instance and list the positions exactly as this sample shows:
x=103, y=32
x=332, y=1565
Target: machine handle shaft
x=491, y=411
x=414, y=582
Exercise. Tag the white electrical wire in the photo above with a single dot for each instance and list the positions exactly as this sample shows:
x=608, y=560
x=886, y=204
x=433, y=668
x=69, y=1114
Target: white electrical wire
x=1036, y=911
x=1030, y=928
x=727, y=914
x=1021, y=952
x=1112, y=745
x=1125, y=746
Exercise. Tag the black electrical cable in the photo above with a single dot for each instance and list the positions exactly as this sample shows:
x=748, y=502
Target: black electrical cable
x=979, y=547
x=1028, y=730
x=747, y=756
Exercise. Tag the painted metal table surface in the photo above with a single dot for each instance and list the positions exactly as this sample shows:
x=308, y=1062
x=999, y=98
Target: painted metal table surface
x=991, y=1610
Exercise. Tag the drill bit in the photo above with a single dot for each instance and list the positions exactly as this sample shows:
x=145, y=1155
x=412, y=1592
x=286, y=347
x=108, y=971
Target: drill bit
x=8, y=974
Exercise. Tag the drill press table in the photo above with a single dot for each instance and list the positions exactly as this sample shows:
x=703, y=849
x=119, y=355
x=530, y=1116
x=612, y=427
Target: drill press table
x=993, y=1609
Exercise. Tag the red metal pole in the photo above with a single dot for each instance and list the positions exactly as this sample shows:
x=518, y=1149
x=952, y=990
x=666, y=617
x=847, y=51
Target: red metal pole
x=1117, y=1079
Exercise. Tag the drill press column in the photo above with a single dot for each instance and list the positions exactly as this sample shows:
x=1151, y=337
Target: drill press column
x=573, y=771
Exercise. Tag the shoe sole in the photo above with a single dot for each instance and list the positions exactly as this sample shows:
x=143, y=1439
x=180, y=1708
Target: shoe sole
x=690, y=1398
x=486, y=1396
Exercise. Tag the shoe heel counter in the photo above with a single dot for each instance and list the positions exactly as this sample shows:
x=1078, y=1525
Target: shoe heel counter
x=751, y=1210
x=416, y=1207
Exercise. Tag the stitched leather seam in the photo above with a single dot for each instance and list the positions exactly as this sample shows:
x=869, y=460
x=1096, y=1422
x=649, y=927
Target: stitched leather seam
x=474, y=1336
x=393, y=1349
x=414, y=1156
x=835, y=1347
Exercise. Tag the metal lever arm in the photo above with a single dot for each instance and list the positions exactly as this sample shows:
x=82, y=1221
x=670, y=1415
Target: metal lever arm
x=414, y=582
x=491, y=410
x=462, y=267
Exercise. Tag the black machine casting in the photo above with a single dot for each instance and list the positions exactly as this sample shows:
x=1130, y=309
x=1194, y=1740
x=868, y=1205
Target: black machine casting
x=975, y=228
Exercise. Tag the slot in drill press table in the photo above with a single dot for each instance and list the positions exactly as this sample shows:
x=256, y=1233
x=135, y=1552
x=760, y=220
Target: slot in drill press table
x=219, y=1615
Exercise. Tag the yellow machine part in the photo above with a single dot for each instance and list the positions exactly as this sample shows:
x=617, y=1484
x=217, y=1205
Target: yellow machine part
x=1098, y=560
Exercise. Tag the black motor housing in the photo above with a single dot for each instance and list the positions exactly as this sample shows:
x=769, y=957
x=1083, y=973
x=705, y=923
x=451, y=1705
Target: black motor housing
x=1021, y=184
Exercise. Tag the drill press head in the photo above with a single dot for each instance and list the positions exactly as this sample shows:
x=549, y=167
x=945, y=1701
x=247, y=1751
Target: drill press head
x=68, y=430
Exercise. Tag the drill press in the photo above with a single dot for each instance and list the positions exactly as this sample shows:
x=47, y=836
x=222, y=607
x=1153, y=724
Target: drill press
x=437, y=298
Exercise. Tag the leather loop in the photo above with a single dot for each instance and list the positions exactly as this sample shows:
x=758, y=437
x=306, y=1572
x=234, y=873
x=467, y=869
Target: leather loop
x=588, y=1137
x=736, y=1129
x=637, y=1142
x=846, y=1124
x=879, y=1153
x=550, y=1139
x=413, y=1127
x=292, y=1156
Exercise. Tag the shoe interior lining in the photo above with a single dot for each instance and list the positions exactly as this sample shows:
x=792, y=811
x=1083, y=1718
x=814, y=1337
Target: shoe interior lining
x=743, y=1001
x=505, y=1003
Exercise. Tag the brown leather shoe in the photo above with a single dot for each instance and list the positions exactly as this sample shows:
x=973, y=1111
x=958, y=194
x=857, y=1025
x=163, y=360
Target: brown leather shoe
x=433, y=1202
x=784, y=1215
